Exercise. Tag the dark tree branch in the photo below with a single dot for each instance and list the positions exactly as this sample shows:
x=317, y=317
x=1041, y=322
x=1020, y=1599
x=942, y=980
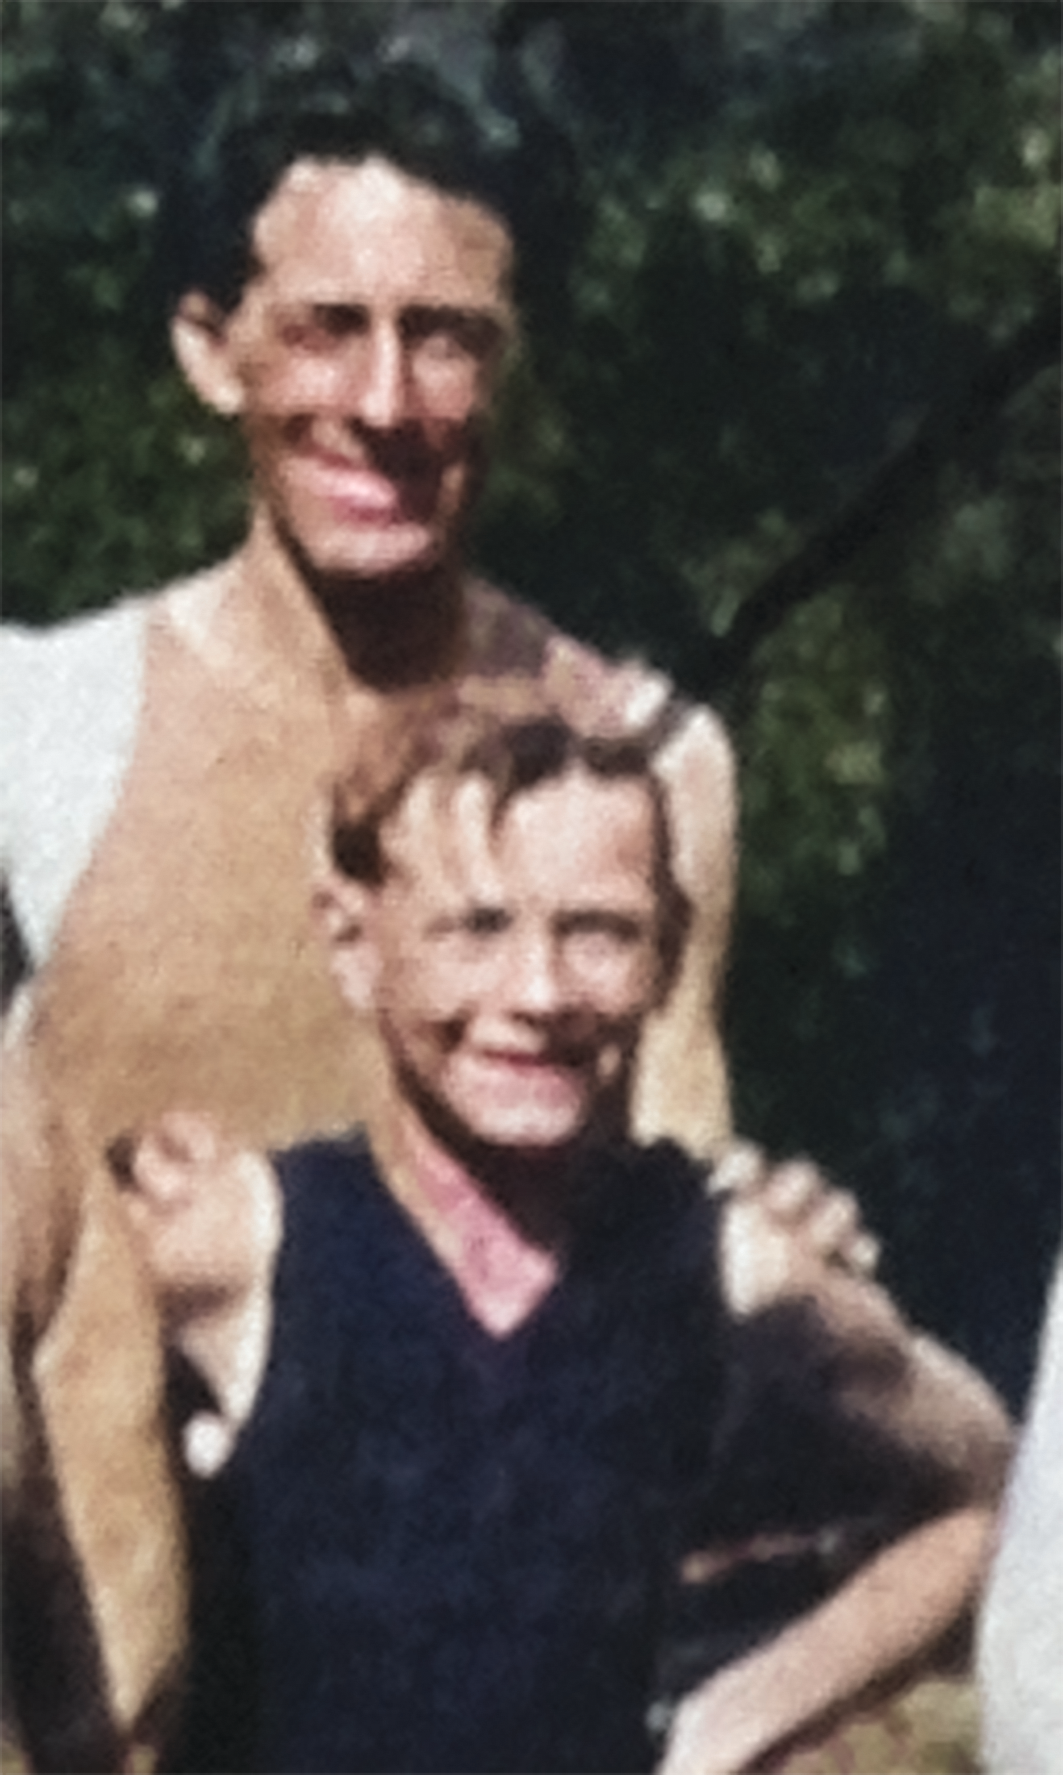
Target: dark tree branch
x=724, y=666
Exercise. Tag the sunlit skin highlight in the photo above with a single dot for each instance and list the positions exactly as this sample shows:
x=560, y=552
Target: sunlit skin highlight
x=515, y=962
x=362, y=359
x=510, y=961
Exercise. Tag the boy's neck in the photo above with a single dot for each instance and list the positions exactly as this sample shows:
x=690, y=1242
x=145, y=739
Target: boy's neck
x=505, y=1256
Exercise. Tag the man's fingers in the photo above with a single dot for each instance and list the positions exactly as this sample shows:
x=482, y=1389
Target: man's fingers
x=795, y=1201
x=795, y=1190
x=863, y=1254
x=742, y=1168
x=595, y=696
x=838, y=1233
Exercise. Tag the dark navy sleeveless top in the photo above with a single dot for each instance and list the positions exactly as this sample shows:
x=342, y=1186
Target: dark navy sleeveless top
x=443, y=1550
x=438, y=1550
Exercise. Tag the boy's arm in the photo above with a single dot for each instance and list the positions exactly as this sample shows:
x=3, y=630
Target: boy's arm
x=917, y=1402
x=788, y=1238
x=887, y=1616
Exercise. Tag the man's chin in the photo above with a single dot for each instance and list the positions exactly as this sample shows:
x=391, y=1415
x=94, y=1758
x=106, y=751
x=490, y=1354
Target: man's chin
x=400, y=552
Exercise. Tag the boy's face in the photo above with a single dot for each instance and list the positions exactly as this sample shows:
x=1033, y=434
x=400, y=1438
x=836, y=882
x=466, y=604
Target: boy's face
x=361, y=360
x=512, y=969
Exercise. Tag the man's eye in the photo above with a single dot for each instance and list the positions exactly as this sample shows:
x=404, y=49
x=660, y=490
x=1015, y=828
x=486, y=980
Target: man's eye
x=322, y=325
x=448, y=335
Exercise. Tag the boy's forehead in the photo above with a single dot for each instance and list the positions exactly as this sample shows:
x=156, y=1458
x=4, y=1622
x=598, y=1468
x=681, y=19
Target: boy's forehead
x=445, y=834
x=450, y=837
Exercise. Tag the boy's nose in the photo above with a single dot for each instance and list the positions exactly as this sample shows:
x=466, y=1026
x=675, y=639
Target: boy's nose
x=535, y=980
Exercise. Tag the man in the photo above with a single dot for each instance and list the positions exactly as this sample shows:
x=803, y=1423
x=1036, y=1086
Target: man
x=497, y=1390
x=349, y=302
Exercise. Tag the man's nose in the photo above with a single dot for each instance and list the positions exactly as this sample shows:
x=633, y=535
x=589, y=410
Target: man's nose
x=380, y=397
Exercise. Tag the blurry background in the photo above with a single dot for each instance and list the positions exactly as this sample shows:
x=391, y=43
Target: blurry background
x=787, y=424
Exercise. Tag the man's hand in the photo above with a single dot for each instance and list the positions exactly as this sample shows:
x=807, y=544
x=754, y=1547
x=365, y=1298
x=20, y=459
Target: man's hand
x=601, y=696
x=783, y=1226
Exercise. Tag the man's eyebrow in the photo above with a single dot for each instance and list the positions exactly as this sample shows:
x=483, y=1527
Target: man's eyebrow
x=477, y=330
x=478, y=327
x=306, y=305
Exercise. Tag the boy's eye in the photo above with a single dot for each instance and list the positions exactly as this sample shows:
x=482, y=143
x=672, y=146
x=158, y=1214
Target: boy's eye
x=485, y=921
x=478, y=922
x=607, y=929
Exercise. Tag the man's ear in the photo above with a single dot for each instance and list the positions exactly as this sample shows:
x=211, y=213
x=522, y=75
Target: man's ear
x=199, y=334
x=342, y=911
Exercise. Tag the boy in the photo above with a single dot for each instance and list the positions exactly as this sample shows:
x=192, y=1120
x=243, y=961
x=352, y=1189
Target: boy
x=499, y=1392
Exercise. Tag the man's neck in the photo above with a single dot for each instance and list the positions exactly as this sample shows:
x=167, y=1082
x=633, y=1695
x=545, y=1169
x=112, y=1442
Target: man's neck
x=504, y=1246
x=386, y=634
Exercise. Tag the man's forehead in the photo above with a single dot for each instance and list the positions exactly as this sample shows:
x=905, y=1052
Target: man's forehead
x=368, y=204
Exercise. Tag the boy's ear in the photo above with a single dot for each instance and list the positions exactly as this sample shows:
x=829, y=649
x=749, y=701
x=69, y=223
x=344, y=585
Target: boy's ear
x=342, y=911
x=199, y=334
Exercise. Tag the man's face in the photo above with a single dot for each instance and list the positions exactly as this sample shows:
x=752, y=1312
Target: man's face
x=365, y=350
x=515, y=966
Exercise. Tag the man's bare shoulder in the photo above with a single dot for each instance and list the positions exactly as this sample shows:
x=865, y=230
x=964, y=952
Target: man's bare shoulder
x=507, y=635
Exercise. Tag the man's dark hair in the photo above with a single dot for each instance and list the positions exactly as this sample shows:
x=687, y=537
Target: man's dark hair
x=500, y=152
x=515, y=753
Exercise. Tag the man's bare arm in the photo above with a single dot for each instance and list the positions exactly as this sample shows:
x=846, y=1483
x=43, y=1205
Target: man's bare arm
x=681, y=1087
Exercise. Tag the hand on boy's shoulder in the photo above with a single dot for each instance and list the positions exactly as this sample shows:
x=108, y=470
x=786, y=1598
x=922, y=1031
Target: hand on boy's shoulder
x=786, y=1232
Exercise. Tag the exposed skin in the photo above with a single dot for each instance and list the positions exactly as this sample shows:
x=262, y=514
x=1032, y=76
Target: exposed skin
x=361, y=361
x=510, y=970
x=519, y=964
x=511, y=999
x=361, y=364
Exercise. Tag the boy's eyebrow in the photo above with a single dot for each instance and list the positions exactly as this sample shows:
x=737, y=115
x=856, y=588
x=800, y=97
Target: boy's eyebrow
x=479, y=915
